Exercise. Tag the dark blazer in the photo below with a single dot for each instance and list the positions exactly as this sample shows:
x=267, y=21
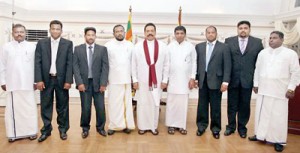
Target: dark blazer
x=63, y=61
x=243, y=65
x=99, y=69
x=219, y=66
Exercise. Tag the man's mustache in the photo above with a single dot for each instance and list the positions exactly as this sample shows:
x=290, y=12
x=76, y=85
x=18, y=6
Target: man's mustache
x=149, y=35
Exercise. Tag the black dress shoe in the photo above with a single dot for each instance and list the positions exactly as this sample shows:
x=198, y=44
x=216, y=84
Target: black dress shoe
x=200, y=132
x=63, y=135
x=127, y=131
x=243, y=135
x=278, y=147
x=253, y=138
x=110, y=132
x=85, y=134
x=216, y=135
x=43, y=137
x=102, y=132
x=228, y=132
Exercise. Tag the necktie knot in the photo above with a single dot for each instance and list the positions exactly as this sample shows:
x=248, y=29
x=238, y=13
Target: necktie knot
x=90, y=47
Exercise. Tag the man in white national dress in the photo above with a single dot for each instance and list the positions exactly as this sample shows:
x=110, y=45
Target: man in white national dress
x=183, y=66
x=119, y=78
x=276, y=76
x=17, y=79
x=150, y=70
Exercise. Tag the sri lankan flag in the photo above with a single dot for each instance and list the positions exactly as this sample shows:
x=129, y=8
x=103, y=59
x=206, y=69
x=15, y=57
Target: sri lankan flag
x=129, y=27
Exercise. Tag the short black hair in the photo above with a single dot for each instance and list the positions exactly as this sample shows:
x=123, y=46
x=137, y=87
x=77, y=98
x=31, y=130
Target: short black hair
x=18, y=26
x=244, y=22
x=149, y=24
x=180, y=28
x=279, y=33
x=56, y=22
x=89, y=29
x=211, y=27
x=118, y=25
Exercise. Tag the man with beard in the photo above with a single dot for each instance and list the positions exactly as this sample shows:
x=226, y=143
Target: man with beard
x=277, y=74
x=150, y=70
x=244, y=50
x=90, y=65
x=213, y=70
x=119, y=88
x=17, y=79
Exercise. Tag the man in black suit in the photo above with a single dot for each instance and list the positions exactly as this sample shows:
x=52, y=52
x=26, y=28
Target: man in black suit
x=53, y=72
x=90, y=65
x=244, y=50
x=213, y=70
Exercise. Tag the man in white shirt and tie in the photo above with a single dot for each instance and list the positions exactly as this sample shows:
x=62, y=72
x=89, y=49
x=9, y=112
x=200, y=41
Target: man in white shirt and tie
x=90, y=65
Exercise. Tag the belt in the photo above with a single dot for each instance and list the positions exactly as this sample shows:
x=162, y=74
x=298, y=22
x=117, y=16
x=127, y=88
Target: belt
x=53, y=75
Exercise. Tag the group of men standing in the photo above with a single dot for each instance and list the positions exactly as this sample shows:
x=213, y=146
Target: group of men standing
x=150, y=66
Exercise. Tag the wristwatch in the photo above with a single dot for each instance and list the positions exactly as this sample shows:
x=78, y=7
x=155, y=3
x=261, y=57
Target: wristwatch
x=290, y=91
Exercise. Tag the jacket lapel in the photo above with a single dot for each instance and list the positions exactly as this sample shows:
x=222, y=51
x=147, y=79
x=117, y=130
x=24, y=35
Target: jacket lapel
x=60, y=46
x=214, y=51
x=96, y=49
x=84, y=54
x=249, y=44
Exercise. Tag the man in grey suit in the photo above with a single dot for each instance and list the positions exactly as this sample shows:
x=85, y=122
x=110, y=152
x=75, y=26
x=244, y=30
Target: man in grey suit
x=213, y=71
x=244, y=50
x=53, y=72
x=90, y=65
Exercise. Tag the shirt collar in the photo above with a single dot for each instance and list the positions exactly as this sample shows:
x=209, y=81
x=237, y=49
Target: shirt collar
x=16, y=42
x=214, y=42
x=88, y=45
x=57, y=40
x=182, y=43
x=246, y=39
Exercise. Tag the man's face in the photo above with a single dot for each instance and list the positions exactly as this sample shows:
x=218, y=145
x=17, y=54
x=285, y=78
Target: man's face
x=119, y=33
x=179, y=36
x=211, y=34
x=19, y=34
x=150, y=33
x=55, y=31
x=243, y=30
x=275, y=41
x=90, y=37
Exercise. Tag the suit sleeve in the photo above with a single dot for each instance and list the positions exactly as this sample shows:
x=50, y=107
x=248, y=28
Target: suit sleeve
x=76, y=68
x=69, y=67
x=38, y=63
x=227, y=64
x=197, y=63
x=104, y=69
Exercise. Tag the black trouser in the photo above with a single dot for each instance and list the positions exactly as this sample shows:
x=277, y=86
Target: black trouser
x=238, y=104
x=86, y=104
x=213, y=97
x=62, y=107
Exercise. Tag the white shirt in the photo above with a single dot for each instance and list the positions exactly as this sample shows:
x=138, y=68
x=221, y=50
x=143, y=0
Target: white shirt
x=277, y=70
x=183, y=66
x=54, y=49
x=17, y=65
x=119, y=56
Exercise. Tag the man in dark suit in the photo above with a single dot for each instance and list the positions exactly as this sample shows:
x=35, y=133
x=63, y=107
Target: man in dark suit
x=244, y=50
x=90, y=65
x=213, y=70
x=53, y=72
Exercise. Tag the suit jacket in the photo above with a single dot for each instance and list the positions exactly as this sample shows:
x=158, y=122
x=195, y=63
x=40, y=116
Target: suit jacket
x=100, y=66
x=219, y=66
x=243, y=65
x=63, y=61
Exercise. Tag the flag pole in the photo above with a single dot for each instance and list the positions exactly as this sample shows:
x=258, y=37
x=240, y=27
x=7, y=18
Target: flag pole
x=179, y=16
